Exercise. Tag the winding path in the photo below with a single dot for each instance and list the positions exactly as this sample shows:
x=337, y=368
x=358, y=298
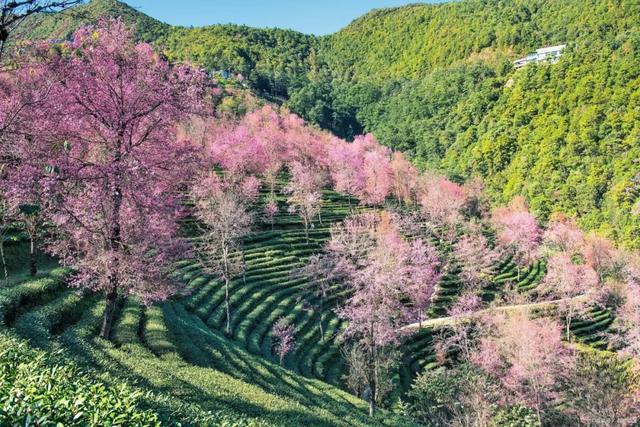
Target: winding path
x=451, y=320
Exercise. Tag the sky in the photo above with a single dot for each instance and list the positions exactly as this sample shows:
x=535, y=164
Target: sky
x=308, y=16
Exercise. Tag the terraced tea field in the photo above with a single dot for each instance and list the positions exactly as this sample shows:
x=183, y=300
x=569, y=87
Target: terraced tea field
x=179, y=351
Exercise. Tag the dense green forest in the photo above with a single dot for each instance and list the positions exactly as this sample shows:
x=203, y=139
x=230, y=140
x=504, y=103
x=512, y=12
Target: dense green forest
x=437, y=82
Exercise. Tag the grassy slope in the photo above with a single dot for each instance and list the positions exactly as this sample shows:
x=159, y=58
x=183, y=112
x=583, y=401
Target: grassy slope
x=194, y=373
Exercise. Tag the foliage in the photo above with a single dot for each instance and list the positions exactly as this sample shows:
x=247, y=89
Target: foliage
x=36, y=390
x=603, y=390
x=111, y=184
x=445, y=397
x=285, y=340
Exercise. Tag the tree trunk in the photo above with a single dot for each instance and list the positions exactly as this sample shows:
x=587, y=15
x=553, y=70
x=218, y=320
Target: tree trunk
x=115, y=245
x=109, y=310
x=321, y=328
x=372, y=379
x=320, y=321
x=227, y=308
x=244, y=265
x=4, y=260
x=372, y=395
x=32, y=257
x=306, y=229
x=569, y=317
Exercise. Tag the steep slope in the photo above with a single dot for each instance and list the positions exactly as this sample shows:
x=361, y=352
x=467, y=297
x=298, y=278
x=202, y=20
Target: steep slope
x=437, y=82
x=189, y=374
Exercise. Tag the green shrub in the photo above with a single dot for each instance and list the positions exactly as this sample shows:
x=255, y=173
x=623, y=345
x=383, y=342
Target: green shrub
x=35, y=391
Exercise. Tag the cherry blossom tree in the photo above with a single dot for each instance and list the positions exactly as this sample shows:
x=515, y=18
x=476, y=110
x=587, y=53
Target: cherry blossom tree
x=270, y=211
x=283, y=333
x=108, y=162
x=222, y=211
x=404, y=180
x=526, y=355
x=567, y=280
x=422, y=273
x=346, y=168
x=461, y=336
x=625, y=331
x=518, y=232
x=377, y=174
x=562, y=234
x=372, y=244
x=305, y=193
x=475, y=259
x=325, y=274
x=599, y=253
x=440, y=203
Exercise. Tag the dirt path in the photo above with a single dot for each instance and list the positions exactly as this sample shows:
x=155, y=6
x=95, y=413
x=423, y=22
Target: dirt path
x=442, y=321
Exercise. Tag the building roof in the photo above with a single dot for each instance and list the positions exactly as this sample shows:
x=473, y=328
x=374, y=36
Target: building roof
x=551, y=49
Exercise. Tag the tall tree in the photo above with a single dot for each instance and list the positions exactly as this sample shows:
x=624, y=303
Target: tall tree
x=475, y=259
x=422, y=272
x=518, y=232
x=527, y=356
x=567, y=280
x=108, y=162
x=375, y=311
x=222, y=211
x=305, y=193
x=324, y=274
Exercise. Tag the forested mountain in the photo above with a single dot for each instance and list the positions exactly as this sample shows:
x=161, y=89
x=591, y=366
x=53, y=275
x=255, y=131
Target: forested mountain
x=437, y=82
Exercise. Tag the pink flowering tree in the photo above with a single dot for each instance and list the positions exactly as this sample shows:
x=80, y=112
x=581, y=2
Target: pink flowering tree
x=518, y=232
x=404, y=178
x=423, y=271
x=475, y=259
x=270, y=211
x=462, y=334
x=283, y=333
x=562, y=234
x=325, y=274
x=305, y=193
x=440, y=203
x=599, y=252
x=346, y=168
x=625, y=331
x=378, y=258
x=109, y=165
x=527, y=356
x=222, y=211
x=569, y=282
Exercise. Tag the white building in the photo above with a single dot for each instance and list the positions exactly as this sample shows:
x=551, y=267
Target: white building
x=545, y=54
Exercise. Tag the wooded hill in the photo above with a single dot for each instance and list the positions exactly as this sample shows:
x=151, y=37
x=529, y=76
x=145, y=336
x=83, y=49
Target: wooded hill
x=437, y=82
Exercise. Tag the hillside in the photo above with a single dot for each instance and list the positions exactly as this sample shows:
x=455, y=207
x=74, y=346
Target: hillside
x=213, y=261
x=436, y=82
